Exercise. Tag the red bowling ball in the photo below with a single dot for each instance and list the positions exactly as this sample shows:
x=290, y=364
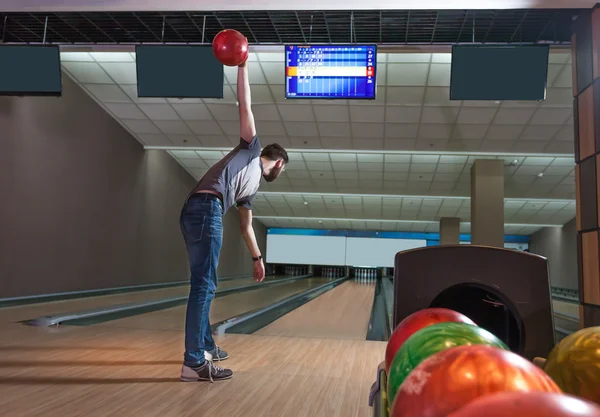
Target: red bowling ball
x=416, y=322
x=230, y=47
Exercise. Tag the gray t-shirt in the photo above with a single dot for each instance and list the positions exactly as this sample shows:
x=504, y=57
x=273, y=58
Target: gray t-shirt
x=237, y=176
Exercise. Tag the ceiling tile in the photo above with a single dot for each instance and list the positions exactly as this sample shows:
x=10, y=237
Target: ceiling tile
x=274, y=72
x=256, y=75
x=370, y=157
x=301, y=128
x=296, y=113
x=173, y=127
x=437, y=114
x=75, y=57
x=336, y=143
x=112, y=56
x=407, y=74
x=405, y=95
x=261, y=94
x=490, y=145
x=401, y=130
x=159, y=111
x=131, y=91
x=153, y=139
x=367, y=130
x=529, y=146
x=476, y=115
x=413, y=58
x=400, y=144
x=469, y=132
x=197, y=111
x=566, y=133
x=464, y=145
x=439, y=75
x=368, y=143
x=564, y=79
x=218, y=141
x=559, y=147
x=108, y=92
x=504, y=132
x=270, y=128
x=539, y=132
x=551, y=116
x=224, y=112
x=439, y=96
x=121, y=72
x=87, y=72
x=204, y=127
x=559, y=97
x=228, y=97
x=512, y=116
x=368, y=114
x=232, y=129
x=334, y=129
x=141, y=126
x=184, y=154
x=331, y=113
x=186, y=140
x=438, y=131
x=125, y=111
x=402, y=114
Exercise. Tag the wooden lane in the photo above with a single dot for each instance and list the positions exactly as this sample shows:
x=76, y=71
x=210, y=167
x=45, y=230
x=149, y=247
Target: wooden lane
x=222, y=308
x=342, y=313
x=100, y=371
x=26, y=312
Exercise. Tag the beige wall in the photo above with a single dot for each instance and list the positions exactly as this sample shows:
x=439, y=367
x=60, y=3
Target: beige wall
x=83, y=206
x=559, y=245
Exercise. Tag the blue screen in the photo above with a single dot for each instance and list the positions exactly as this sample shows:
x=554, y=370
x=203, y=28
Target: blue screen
x=331, y=71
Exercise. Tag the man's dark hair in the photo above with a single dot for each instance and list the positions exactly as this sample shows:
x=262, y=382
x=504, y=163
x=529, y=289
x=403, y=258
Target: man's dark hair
x=275, y=152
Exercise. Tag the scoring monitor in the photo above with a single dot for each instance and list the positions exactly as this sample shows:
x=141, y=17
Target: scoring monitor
x=331, y=71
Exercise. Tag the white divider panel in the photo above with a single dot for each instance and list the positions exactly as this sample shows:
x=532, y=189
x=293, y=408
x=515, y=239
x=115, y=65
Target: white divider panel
x=311, y=250
x=373, y=252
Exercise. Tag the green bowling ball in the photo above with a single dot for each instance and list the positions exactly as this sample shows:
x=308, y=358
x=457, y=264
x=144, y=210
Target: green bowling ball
x=431, y=340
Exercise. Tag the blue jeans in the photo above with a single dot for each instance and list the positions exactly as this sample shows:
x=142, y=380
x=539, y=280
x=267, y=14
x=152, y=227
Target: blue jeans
x=202, y=227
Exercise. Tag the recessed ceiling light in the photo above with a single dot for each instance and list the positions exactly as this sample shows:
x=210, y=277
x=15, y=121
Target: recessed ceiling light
x=541, y=174
x=320, y=221
x=306, y=203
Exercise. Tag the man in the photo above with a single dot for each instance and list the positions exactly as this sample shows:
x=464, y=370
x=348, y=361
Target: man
x=233, y=180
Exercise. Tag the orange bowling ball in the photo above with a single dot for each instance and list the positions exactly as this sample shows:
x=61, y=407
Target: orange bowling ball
x=230, y=47
x=449, y=380
x=416, y=322
x=529, y=404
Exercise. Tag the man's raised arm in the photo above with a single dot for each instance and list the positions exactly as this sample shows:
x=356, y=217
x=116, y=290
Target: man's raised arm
x=247, y=127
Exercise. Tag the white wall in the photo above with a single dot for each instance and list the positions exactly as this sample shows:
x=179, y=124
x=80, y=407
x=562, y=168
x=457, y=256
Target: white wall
x=336, y=250
x=306, y=250
x=373, y=252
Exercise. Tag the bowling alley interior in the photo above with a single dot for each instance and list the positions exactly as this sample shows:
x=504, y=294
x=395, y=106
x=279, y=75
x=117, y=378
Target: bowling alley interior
x=428, y=247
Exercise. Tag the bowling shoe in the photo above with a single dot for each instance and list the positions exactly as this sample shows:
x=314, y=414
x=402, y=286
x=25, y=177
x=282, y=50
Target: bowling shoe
x=205, y=372
x=216, y=354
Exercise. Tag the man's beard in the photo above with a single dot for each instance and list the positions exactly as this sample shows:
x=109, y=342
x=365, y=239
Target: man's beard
x=272, y=176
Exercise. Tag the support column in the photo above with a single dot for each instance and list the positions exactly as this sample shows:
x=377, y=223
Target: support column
x=487, y=202
x=585, y=51
x=449, y=231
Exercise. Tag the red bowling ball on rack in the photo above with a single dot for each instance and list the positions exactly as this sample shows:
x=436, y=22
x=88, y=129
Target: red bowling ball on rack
x=416, y=322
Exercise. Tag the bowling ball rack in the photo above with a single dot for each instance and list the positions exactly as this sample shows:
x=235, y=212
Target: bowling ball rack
x=517, y=282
